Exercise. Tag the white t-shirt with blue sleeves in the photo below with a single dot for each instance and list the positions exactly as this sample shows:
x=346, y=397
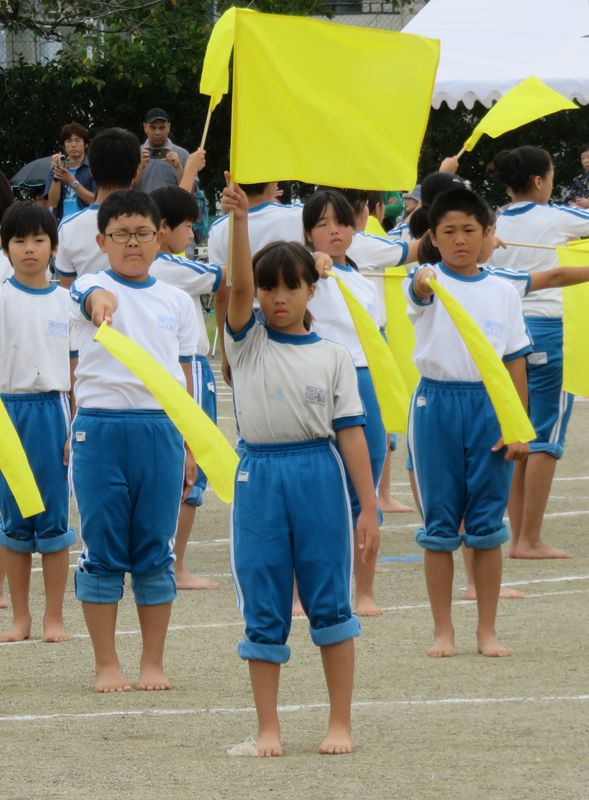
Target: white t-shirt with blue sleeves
x=537, y=223
x=79, y=253
x=155, y=315
x=494, y=304
x=377, y=252
x=192, y=277
x=290, y=388
x=35, y=339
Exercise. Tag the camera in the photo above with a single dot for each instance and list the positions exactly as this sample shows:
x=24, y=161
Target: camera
x=61, y=161
x=158, y=152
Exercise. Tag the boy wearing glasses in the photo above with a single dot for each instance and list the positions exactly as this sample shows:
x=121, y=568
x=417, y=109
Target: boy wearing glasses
x=130, y=469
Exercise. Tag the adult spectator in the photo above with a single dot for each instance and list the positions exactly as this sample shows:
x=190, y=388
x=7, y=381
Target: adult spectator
x=70, y=186
x=162, y=161
x=578, y=192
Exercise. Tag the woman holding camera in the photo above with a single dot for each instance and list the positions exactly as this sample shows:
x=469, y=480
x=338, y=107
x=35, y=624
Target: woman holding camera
x=70, y=186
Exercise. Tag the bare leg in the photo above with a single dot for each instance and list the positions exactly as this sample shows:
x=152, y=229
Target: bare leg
x=365, y=603
x=505, y=592
x=3, y=598
x=338, y=665
x=55, y=575
x=101, y=621
x=297, y=606
x=265, y=677
x=154, y=621
x=439, y=573
x=487, y=577
x=386, y=502
x=184, y=578
x=515, y=504
x=539, y=473
x=18, y=569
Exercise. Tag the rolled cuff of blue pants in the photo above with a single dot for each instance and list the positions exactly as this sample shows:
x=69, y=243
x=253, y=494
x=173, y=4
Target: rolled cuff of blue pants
x=196, y=496
x=53, y=544
x=550, y=448
x=17, y=545
x=334, y=634
x=442, y=544
x=93, y=588
x=254, y=651
x=155, y=589
x=487, y=541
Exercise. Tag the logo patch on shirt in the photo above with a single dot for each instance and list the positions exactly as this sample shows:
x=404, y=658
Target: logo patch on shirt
x=167, y=323
x=421, y=401
x=211, y=387
x=80, y=436
x=492, y=329
x=60, y=329
x=242, y=476
x=537, y=358
x=316, y=395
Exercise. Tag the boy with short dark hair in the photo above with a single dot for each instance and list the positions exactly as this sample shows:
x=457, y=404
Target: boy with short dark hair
x=35, y=388
x=462, y=469
x=129, y=462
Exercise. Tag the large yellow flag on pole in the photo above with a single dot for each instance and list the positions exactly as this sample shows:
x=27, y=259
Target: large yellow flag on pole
x=575, y=300
x=529, y=100
x=321, y=102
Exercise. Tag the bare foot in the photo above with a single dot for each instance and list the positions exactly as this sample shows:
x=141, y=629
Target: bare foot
x=443, y=647
x=18, y=631
x=388, y=505
x=111, y=679
x=337, y=742
x=505, y=592
x=489, y=646
x=268, y=743
x=186, y=580
x=297, y=608
x=54, y=631
x=366, y=606
x=152, y=679
x=539, y=550
x=3, y=601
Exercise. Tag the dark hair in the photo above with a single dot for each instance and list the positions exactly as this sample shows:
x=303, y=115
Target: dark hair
x=431, y=186
x=357, y=198
x=516, y=168
x=176, y=205
x=458, y=200
x=6, y=195
x=74, y=129
x=583, y=148
x=290, y=260
x=125, y=203
x=375, y=199
x=114, y=156
x=318, y=202
x=26, y=218
x=252, y=189
x=285, y=198
x=427, y=252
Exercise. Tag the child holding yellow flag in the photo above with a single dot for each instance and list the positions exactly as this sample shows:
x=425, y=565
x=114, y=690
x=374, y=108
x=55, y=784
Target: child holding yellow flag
x=129, y=463
x=35, y=386
x=462, y=469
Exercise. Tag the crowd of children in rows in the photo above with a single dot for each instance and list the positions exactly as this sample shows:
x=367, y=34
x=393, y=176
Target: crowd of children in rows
x=311, y=439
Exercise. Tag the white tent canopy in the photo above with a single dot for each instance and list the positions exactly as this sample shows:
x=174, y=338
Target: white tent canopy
x=488, y=46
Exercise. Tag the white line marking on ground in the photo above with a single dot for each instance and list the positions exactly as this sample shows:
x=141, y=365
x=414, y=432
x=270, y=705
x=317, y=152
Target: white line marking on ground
x=359, y=704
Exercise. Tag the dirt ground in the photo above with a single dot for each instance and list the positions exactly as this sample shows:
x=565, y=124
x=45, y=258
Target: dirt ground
x=461, y=728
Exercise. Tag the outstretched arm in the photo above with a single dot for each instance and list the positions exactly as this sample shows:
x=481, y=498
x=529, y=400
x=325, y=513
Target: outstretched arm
x=557, y=277
x=241, y=299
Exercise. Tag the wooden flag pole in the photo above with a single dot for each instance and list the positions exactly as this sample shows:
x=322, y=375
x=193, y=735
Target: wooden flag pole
x=206, y=128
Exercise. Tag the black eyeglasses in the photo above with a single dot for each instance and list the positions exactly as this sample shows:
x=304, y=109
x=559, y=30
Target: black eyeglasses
x=122, y=237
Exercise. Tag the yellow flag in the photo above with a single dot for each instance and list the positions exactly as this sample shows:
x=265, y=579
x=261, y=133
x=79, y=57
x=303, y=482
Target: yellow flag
x=214, y=79
x=15, y=467
x=575, y=300
x=529, y=100
x=323, y=103
x=388, y=383
x=513, y=420
x=211, y=450
x=400, y=332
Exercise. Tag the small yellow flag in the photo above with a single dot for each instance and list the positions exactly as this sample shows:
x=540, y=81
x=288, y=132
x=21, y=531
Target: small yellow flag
x=513, y=420
x=211, y=450
x=15, y=467
x=400, y=332
x=529, y=100
x=389, y=386
x=575, y=321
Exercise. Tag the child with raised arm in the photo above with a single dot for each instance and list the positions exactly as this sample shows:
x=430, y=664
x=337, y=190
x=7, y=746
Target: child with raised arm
x=295, y=397
x=129, y=463
x=461, y=468
x=35, y=386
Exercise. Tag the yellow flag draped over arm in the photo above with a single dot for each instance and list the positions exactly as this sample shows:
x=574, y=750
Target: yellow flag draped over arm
x=513, y=420
x=214, y=79
x=389, y=386
x=575, y=301
x=15, y=467
x=400, y=332
x=529, y=100
x=322, y=103
x=211, y=450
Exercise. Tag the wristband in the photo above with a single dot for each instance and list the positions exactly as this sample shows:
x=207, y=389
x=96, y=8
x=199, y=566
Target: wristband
x=75, y=184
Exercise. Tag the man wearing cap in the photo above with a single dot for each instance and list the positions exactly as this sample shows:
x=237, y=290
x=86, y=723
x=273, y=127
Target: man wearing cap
x=162, y=161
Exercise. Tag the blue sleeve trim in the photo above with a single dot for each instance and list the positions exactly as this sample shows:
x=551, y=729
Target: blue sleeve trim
x=74, y=354
x=349, y=422
x=239, y=336
x=218, y=279
x=185, y=359
x=405, y=247
x=65, y=274
x=81, y=298
x=519, y=353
